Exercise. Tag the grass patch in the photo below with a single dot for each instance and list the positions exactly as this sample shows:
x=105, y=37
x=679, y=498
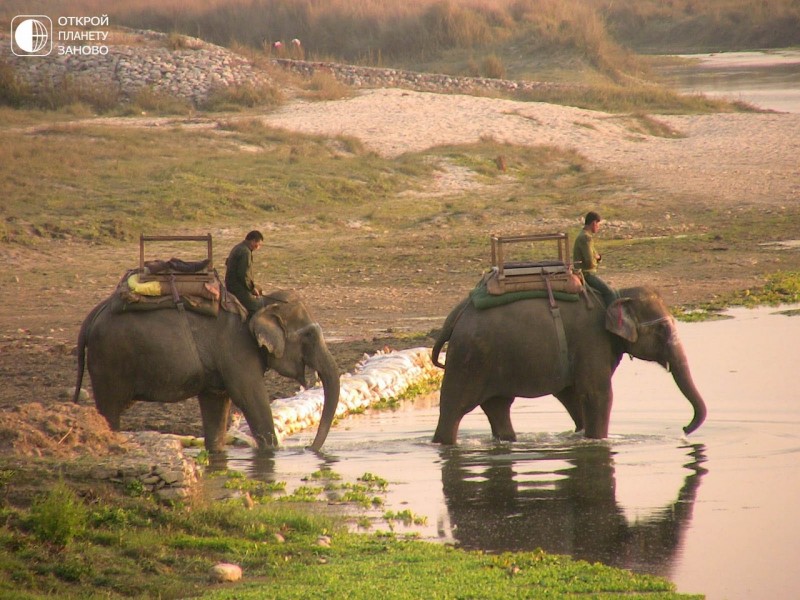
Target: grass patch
x=634, y=98
x=779, y=288
x=236, y=97
x=324, y=86
x=115, y=181
x=148, y=100
x=121, y=546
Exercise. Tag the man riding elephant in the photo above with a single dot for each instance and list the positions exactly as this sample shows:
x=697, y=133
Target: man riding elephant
x=587, y=259
x=239, y=272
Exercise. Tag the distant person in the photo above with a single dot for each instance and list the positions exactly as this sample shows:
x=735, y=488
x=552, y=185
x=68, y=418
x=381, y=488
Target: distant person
x=239, y=272
x=586, y=258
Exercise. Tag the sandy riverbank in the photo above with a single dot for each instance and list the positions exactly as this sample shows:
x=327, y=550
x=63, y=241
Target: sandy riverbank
x=739, y=158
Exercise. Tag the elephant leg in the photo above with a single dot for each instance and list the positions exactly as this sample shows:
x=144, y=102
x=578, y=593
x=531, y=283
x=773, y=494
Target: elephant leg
x=447, y=428
x=455, y=400
x=570, y=400
x=215, y=409
x=597, y=411
x=498, y=410
x=111, y=399
x=261, y=426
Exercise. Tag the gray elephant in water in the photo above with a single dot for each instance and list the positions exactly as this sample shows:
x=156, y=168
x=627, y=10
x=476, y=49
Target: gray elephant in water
x=497, y=354
x=167, y=356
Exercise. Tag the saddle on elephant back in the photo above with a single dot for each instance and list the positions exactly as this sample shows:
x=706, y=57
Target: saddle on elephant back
x=508, y=281
x=175, y=283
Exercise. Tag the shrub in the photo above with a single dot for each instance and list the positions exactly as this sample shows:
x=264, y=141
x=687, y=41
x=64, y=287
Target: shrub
x=245, y=95
x=13, y=92
x=59, y=516
x=69, y=91
x=149, y=100
x=324, y=86
x=493, y=67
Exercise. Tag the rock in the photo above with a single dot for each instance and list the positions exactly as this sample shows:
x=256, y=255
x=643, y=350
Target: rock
x=172, y=494
x=66, y=393
x=226, y=573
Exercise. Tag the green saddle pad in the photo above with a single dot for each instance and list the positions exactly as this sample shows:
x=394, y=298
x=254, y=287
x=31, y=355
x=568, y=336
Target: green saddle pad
x=482, y=299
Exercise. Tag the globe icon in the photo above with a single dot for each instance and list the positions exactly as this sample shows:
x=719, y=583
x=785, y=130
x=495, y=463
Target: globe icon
x=31, y=36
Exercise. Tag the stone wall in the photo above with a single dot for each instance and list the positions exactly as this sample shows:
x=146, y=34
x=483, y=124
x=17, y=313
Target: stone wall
x=185, y=68
x=154, y=463
x=398, y=78
x=190, y=69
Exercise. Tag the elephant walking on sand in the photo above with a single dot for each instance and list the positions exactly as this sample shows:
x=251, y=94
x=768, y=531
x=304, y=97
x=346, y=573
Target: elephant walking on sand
x=497, y=354
x=169, y=356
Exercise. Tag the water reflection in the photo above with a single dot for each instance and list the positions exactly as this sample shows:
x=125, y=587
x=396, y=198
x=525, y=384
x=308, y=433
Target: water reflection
x=563, y=500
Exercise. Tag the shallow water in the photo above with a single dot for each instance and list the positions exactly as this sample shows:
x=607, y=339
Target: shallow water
x=769, y=80
x=715, y=513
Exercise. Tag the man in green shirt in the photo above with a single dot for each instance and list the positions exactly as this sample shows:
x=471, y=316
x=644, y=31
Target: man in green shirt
x=239, y=272
x=587, y=259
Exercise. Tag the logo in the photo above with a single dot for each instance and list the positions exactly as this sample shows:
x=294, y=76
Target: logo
x=31, y=35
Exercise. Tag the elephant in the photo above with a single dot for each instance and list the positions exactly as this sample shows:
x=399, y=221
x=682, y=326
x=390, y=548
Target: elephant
x=515, y=350
x=169, y=355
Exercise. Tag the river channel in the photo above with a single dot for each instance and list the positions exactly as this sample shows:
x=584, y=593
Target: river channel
x=716, y=513
x=768, y=79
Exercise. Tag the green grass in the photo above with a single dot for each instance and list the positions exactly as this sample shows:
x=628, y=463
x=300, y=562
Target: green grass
x=132, y=546
x=115, y=180
x=780, y=288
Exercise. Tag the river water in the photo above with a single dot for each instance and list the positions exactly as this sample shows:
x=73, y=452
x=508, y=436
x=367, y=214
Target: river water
x=769, y=79
x=715, y=513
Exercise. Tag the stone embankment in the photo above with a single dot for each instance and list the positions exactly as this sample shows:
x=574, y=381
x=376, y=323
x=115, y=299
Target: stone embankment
x=192, y=70
x=376, y=77
x=153, y=462
x=173, y=66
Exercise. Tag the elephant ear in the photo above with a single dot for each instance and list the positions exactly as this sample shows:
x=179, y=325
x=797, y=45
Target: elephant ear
x=621, y=321
x=269, y=332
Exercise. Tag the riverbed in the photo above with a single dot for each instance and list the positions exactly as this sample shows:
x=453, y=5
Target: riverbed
x=714, y=512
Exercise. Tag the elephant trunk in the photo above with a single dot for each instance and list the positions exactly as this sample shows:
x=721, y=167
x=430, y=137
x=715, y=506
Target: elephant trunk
x=679, y=367
x=328, y=371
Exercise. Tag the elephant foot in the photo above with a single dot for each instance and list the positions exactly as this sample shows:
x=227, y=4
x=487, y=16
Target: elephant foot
x=267, y=441
x=444, y=439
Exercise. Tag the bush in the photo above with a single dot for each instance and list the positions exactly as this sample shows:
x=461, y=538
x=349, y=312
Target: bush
x=149, y=100
x=13, y=92
x=59, y=516
x=246, y=95
x=493, y=67
x=324, y=86
x=70, y=91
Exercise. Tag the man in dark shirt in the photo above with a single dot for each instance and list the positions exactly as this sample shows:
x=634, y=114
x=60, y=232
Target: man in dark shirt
x=239, y=272
x=587, y=259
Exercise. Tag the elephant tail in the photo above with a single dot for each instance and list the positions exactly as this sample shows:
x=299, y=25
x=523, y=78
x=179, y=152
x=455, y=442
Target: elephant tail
x=447, y=331
x=82, y=335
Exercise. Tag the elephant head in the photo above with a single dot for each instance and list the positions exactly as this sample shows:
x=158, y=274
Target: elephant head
x=294, y=341
x=648, y=330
